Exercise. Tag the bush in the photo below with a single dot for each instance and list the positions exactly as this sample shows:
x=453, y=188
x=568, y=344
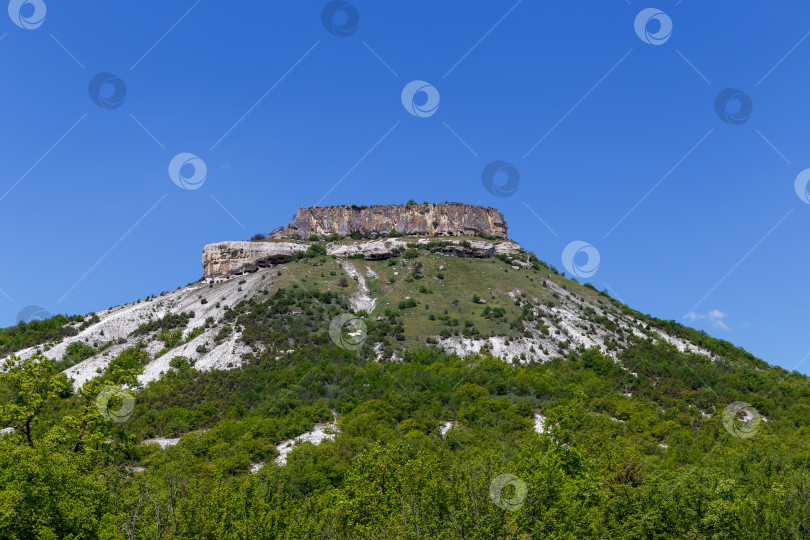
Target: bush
x=224, y=332
x=497, y=312
x=171, y=338
x=178, y=362
x=169, y=322
x=314, y=251
x=406, y=304
x=93, y=319
x=75, y=353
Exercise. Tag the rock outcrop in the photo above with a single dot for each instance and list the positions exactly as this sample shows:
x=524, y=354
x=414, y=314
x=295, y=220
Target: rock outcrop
x=474, y=249
x=449, y=219
x=227, y=259
x=224, y=260
x=372, y=250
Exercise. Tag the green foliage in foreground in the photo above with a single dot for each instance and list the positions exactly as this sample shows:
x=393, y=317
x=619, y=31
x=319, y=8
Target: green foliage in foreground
x=608, y=466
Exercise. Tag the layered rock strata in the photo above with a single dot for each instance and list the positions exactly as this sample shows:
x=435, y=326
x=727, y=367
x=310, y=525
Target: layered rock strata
x=449, y=219
x=224, y=260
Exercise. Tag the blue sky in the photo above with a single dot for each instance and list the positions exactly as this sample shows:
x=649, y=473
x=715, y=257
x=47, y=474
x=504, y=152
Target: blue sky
x=615, y=136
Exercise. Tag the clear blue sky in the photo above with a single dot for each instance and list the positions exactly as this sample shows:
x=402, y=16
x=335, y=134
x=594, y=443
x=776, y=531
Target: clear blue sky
x=91, y=217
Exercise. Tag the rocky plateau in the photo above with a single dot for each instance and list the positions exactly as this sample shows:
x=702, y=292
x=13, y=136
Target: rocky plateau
x=448, y=219
x=225, y=260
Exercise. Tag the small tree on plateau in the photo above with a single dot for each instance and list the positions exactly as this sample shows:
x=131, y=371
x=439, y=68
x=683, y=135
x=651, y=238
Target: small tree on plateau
x=26, y=386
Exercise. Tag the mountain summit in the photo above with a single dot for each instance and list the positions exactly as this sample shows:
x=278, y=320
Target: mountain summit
x=396, y=271
x=448, y=219
x=366, y=360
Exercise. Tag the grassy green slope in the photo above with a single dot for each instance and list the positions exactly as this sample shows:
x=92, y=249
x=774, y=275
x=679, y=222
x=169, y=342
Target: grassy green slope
x=632, y=449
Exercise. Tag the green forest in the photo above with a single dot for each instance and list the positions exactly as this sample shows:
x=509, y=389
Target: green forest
x=635, y=448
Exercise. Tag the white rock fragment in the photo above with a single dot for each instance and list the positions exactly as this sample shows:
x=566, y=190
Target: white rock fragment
x=162, y=441
x=321, y=432
x=360, y=299
x=447, y=426
x=371, y=250
x=507, y=248
x=539, y=423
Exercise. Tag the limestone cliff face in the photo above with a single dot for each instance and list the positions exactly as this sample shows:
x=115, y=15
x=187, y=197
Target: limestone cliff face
x=225, y=260
x=451, y=219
